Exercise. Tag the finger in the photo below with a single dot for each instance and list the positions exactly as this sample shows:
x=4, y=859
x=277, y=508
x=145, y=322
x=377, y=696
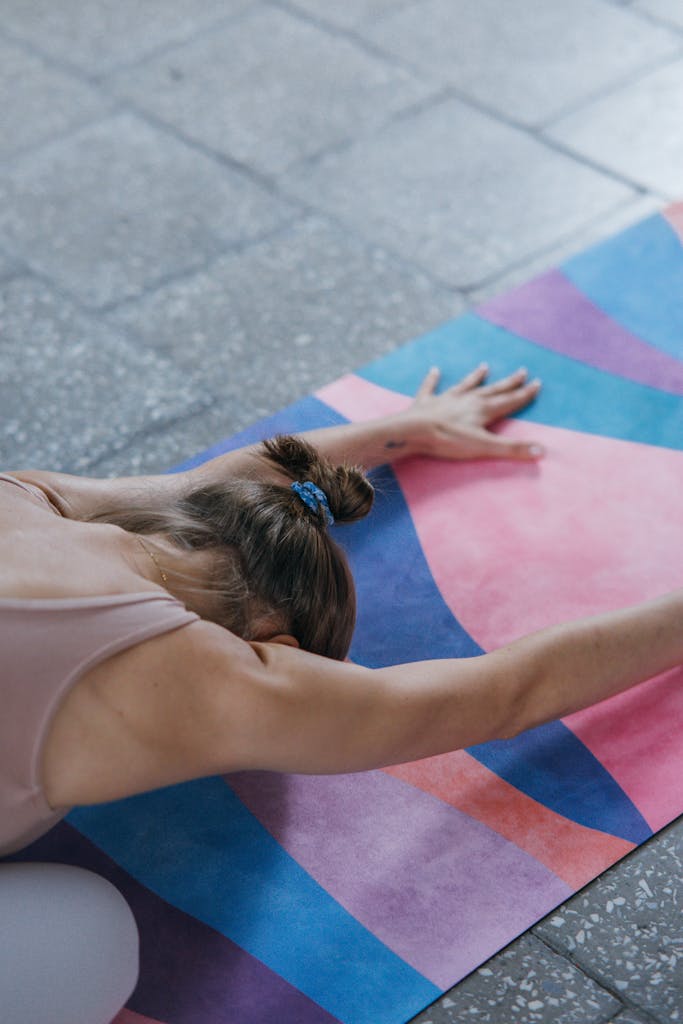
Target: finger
x=507, y=402
x=472, y=380
x=497, y=446
x=513, y=380
x=430, y=383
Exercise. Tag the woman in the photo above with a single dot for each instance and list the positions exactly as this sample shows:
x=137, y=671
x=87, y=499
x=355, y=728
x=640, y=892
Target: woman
x=151, y=626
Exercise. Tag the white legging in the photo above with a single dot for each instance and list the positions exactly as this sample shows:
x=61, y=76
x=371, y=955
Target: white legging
x=68, y=946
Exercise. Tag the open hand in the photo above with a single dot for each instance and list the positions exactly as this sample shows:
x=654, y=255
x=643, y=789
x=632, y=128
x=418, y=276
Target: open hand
x=455, y=424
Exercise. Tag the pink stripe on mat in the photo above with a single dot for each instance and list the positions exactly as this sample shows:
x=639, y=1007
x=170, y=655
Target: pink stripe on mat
x=674, y=215
x=503, y=573
x=574, y=853
x=437, y=887
x=360, y=399
x=552, y=312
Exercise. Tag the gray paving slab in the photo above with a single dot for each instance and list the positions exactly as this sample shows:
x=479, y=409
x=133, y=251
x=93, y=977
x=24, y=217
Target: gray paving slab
x=669, y=11
x=101, y=35
x=635, y=130
x=274, y=322
x=161, y=447
x=71, y=388
x=40, y=101
x=119, y=206
x=527, y=984
x=9, y=266
x=624, y=217
x=626, y=929
x=527, y=60
x=350, y=14
x=270, y=89
x=457, y=192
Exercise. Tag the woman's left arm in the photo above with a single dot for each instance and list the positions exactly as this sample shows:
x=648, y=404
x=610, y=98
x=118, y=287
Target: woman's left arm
x=455, y=424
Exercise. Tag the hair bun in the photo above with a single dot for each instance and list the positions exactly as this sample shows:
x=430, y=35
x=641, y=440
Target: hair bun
x=347, y=489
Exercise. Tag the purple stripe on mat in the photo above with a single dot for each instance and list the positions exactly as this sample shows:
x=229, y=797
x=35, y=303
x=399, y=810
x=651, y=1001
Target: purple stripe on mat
x=189, y=974
x=552, y=312
x=440, y=889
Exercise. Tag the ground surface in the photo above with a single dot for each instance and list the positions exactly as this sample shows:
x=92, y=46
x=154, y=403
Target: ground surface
x=207, y=210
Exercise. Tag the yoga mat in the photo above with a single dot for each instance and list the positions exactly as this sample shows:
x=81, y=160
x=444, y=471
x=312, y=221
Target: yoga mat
x=359, y=899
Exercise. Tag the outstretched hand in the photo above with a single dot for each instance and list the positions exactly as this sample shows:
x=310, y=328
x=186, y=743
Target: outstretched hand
x=456, y=423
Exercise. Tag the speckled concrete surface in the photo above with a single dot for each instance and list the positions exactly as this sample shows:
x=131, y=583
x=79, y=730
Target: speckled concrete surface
x=207, y=210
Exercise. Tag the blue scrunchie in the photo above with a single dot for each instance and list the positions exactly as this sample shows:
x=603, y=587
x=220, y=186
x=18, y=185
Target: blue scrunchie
x=314, y=498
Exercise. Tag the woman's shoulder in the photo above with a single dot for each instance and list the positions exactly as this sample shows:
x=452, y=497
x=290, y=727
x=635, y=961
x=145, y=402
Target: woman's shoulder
x=150, y=716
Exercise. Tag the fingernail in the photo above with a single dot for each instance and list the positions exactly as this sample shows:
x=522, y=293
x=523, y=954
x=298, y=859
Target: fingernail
x=535, y=451
x=536, y=382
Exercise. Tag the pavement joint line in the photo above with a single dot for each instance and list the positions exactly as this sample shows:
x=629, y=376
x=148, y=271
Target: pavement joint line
x=58, y=63
x=595, y=977
x=96, y=78
x=162, y=49
x=32, y=273
x=9, y=162
x=639, y=187
x=659, y=20
x=355, y=36
x=342, y=145
x=256, y=177
x=535, y=132
x=614, y=87
x=603, y=981
x=539, y=136
x=177, y=277
x=465, y=291
x=577, y=235
x=152, y=428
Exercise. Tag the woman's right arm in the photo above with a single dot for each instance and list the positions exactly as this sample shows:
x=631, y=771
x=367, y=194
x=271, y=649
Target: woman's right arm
x=201, y=702
x=455, y=424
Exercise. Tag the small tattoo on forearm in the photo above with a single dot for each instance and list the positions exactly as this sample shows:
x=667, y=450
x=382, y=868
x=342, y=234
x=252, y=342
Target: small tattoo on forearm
x=395, y=444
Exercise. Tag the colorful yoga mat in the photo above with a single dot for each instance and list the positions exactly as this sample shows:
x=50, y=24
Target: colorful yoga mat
x=360, y=898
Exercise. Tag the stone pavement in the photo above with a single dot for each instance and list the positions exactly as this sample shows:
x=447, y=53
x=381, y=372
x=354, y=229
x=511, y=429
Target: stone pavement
x=209, y=209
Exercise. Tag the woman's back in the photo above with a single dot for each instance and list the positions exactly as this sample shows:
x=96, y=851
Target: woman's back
x=69, y=601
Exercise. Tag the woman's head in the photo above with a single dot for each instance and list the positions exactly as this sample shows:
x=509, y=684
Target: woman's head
x=275, y=569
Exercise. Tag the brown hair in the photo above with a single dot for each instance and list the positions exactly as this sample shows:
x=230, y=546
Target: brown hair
x=275, y=561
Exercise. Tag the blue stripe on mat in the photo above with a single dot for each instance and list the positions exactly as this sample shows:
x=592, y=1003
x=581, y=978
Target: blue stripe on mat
x=617, y=408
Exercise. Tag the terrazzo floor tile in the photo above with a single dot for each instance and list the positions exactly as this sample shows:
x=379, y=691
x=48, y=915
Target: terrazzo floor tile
x=457, y=192
x=670, y=11
x=71, y=389
x=528, y=60
x=39, y=101
x=635, y=131
x=628, y=1017
x=101, y=35
x=273, y=323
x=526, y=984
x=118, y=206
x=626, y=929
x=270, y=89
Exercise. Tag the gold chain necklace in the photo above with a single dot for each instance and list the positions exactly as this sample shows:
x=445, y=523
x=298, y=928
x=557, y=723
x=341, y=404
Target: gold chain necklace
x=154, y=559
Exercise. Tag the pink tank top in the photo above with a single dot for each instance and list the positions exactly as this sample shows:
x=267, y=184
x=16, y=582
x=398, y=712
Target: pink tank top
x=47, y=645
